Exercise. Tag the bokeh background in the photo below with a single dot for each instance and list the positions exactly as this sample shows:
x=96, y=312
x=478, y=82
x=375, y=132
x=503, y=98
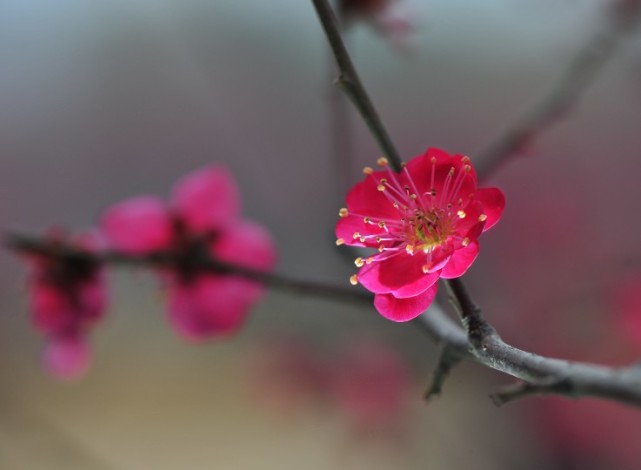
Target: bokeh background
x=100, y=101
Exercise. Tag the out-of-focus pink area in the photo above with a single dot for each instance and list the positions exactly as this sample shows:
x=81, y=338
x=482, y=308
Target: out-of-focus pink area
x=104, y=101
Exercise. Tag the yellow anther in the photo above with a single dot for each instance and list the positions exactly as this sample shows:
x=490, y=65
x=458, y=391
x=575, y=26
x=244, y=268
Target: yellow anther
x=467, y=168
x=465, y=242
x=383, y=181
x=409, y=249
x=461, y=214
x=362, y=239
x=339, y=242
x=381, y=249
x=482, y=218
x=382, y=161
x=368, y=170
x=369, y=260
x=366, y=220
x=380, y=187
x=356, y=235
x=343, y=212
x=381, y=224
x=359, y=262
x=413, y=196
x=452, y=171
x=426, y=268
x=395, y=204
x=379, y=239
x=465, y=159
x=353, y=279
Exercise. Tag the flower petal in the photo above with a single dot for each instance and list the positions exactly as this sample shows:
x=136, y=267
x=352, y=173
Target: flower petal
x=68, y=357
x=246, y=243
x=346, y=227
x=493, y=201
x=206, y=199
x=460, y=261
x=421, y=168
x=137, y=226
x=401, y=310
x=209, y=306
x=364, y=199
x=401, y=275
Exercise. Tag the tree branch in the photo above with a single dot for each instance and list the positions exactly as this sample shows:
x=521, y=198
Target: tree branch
x=480, y=342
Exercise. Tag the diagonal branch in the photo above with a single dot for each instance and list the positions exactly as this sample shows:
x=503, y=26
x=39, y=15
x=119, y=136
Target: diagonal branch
x=556, y=104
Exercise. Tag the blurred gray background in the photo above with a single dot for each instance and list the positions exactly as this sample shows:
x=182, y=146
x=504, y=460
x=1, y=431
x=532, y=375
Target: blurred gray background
x=103, y=100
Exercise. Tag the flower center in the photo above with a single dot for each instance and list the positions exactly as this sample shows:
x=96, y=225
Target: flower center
x=428, y=230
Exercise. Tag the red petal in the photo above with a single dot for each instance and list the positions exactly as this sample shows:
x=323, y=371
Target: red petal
x=401, y=310
x=460, y=261
x=493, y=201
x=138, y=226
x=347, y=226
x=401, y=275
x=365, y=200
x=206, y=199
x=420, y=169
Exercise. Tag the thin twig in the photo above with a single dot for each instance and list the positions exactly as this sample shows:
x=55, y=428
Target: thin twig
x=448, y=358
x=521, y=390
x=349, y=80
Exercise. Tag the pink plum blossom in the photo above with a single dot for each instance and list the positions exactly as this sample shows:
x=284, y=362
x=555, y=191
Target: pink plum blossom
x=202, y=217
x=67, y=297
x=424, y=223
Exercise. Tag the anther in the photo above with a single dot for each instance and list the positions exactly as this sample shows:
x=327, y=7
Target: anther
x=381, y=224
x=433, y=160
x=413, y=196
x=409, y=249
x=369, y=260
x=461, y=214
x=368, y=170
x=465, y=159
x=382, y=161
x=381, y=249
x=465, y=242
x=359, y=262
x=356, y=235
x=482, y=218
x=380, y=187
x=452, y=171
x=343, y=212
x=379, y=239
x=353, y=280
x=339, y=242
x=426, y=268
x=367, y=220
x=467, y=168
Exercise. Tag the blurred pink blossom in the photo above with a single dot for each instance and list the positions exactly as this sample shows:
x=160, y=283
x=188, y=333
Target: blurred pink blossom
x=68, y=297
x=203, y=216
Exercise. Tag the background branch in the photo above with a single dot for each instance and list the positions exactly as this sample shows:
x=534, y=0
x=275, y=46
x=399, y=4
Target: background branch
x=583, y=69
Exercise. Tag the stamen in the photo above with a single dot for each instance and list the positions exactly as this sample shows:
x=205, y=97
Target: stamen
x=339, y=242
x=367, y=220
x=368, y=170
x=369, y=260
x=426, y=268
x=465, y=242
x=359, y=262
x=343, y=212
x=410, y=249
x=380, y=187
x=461, y=214
x=381, y=224
x=382, y=161
x=353, y=280
x=356, y=235
x=482, y=218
